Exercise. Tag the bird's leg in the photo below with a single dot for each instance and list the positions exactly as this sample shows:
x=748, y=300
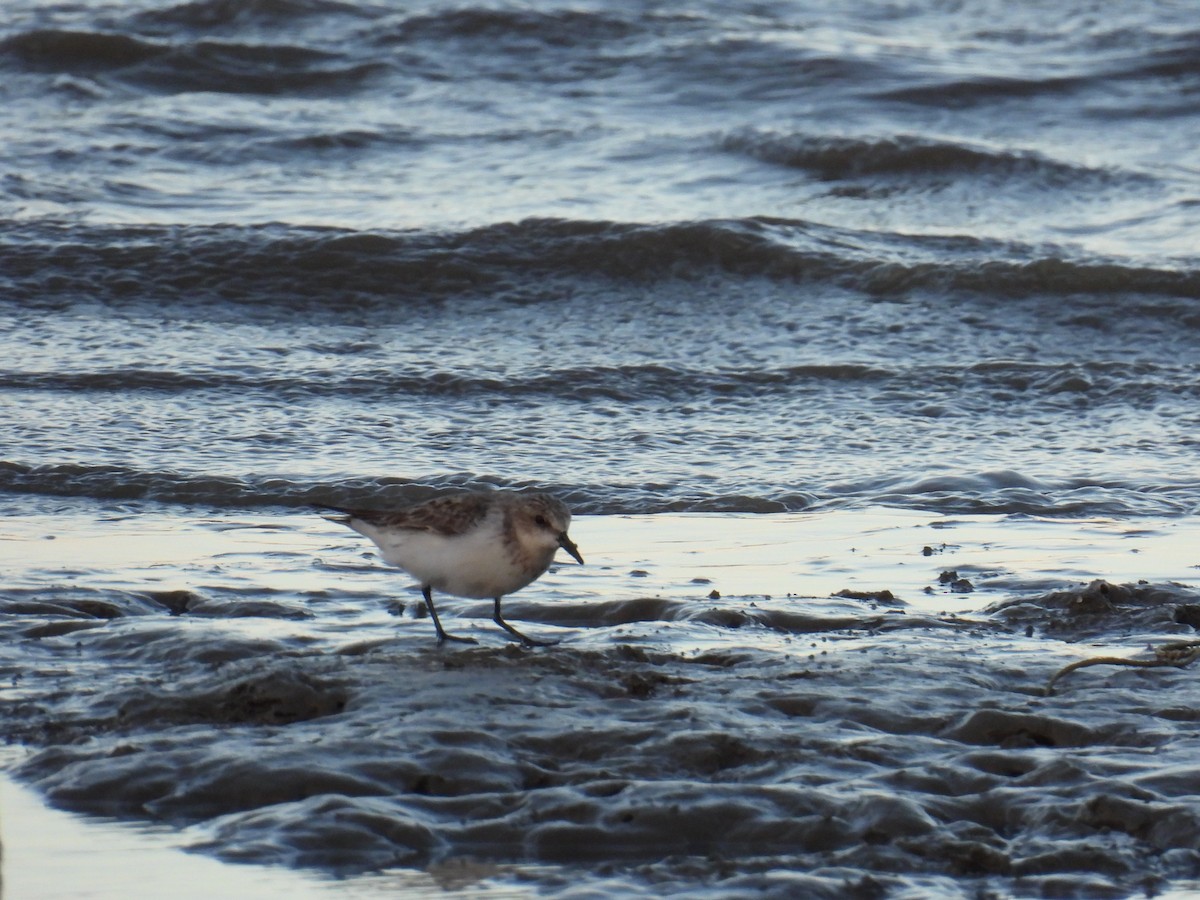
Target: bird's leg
x=527, y=641
x=441, y=633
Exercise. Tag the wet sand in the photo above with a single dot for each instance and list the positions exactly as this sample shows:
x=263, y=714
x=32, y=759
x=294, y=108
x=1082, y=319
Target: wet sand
x=715, y=720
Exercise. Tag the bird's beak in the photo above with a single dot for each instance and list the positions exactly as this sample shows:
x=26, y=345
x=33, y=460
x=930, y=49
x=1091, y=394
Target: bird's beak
x=569, y=545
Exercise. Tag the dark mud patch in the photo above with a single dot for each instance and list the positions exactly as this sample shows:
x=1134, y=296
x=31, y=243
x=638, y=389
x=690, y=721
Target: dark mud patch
x=883, y=598
x=1103, y=610
x=795, y=615
x=180, y=603
x=280, y=695
x=73, y=603
x=817, y=748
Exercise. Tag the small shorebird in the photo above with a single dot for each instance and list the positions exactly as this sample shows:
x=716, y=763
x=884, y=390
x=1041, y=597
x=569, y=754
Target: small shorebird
x=476, y=545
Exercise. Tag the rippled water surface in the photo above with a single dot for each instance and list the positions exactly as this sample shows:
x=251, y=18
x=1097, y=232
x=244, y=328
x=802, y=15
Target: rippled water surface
x=785, y=261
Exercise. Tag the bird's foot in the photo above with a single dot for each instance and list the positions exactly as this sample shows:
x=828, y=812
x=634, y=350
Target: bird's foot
x=530, y=642
x=443, y=637
x=515, y=635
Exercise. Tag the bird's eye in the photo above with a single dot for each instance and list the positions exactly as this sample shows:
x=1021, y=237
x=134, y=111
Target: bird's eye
x=541, y=522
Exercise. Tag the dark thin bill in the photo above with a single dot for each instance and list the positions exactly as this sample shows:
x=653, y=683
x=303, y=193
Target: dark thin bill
x=569, y=545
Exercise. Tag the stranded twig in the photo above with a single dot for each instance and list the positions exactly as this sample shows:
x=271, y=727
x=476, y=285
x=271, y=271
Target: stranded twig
x=1177, y=654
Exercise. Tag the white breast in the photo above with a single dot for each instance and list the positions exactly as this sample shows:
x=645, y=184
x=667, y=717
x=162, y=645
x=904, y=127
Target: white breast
x=476, y=564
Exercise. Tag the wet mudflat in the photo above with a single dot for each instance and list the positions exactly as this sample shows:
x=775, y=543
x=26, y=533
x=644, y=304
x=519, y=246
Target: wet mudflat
x=682, y=737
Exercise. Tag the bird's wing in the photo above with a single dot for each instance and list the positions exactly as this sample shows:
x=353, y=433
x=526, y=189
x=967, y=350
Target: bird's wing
x=447, y=516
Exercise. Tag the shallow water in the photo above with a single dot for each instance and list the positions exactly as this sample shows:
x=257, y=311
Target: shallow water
x=784, y=300
x=47, y=853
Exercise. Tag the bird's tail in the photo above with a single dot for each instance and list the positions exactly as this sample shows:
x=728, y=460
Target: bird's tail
x=334, y=513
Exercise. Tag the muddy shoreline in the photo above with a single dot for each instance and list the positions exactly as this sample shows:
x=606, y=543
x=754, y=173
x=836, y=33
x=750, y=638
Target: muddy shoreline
x=673, y=743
